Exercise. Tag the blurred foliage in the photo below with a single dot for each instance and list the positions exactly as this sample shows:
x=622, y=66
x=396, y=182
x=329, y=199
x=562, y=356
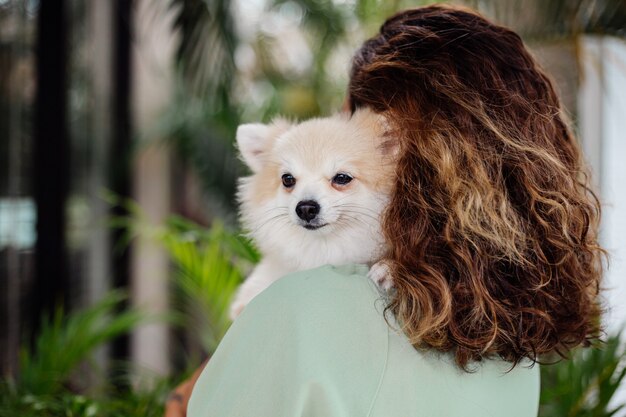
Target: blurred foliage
x=60, y=356
x=66, y=340
x=585, y=385
x=126, y=403
x=209, y=266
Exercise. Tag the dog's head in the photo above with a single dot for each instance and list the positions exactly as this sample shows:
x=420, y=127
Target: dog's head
x=317, y=188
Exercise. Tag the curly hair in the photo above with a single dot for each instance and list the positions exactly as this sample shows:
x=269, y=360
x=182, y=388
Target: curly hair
x=492, y=225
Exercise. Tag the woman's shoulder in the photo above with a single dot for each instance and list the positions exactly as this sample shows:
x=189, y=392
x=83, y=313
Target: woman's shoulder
x=325, y=290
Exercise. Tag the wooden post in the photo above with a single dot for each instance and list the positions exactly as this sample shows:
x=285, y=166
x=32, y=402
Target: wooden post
x=51, y=161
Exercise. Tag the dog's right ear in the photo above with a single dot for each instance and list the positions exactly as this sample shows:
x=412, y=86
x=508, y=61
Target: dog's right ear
x=254, y=139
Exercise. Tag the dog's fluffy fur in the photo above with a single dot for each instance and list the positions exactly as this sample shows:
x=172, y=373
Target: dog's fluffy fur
x=338, y=222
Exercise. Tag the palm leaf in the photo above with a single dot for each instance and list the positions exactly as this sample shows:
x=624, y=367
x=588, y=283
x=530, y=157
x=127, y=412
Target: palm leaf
x=67, y=340
x=208, y=271
x=585, y=384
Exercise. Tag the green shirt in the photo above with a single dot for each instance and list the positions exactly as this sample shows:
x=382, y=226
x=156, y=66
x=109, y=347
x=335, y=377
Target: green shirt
x=316, y=344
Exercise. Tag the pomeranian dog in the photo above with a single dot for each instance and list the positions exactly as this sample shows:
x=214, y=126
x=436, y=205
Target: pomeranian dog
x=315, y=196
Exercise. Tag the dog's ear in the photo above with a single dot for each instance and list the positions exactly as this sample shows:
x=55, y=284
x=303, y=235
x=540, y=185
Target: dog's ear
x=390, y=145
x=387, y=136
x=254, y=139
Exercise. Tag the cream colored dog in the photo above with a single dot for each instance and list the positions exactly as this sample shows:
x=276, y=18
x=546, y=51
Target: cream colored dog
x=315, y=196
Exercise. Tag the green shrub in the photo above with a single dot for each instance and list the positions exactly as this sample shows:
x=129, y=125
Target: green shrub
x=63, y=347
x=585, y=384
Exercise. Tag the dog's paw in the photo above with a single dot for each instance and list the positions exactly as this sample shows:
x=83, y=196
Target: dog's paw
x=379, y=273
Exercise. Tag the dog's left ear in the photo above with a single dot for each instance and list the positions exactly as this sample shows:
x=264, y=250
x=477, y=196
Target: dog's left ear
x=378, y=122
x=390, y=146
x=255, y=139
x=389, y=141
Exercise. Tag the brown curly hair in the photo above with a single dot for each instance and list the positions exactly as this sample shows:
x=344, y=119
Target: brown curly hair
x=492, y=226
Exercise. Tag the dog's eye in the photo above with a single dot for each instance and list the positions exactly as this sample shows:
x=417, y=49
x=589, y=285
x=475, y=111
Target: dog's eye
x=342, y=179
x=288, y=180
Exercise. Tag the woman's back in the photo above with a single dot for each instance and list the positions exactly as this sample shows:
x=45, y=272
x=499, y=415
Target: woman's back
x=316, y=344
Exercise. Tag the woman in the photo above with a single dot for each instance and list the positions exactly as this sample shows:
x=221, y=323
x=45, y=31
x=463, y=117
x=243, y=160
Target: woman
x=492, y=233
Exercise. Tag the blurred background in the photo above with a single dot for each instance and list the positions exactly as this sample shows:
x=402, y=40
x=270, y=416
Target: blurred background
x=119, y=245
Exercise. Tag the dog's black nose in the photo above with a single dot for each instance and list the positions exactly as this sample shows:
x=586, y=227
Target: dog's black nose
x=307, y=210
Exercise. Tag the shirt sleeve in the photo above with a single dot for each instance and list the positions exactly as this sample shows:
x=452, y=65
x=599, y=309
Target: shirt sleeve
x=313, y=344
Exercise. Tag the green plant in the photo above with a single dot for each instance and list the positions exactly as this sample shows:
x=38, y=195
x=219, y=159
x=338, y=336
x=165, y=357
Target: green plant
x=129, y=403
x=67, y=340
x=585, y=384
x=209, y=265
x=48, y=370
